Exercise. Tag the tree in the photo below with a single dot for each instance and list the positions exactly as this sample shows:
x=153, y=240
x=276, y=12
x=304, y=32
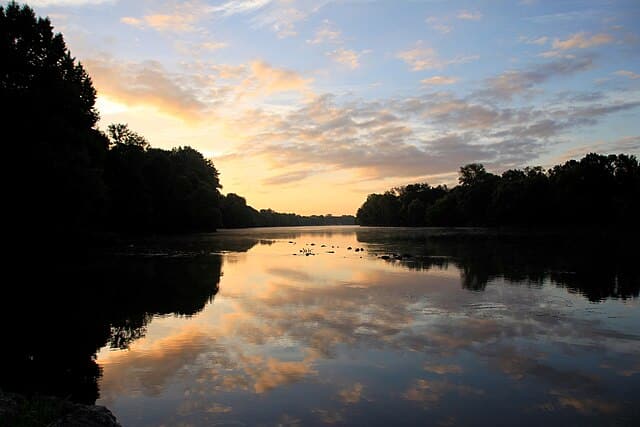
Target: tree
x=48, y=121
x=472, y=174
x=596, y=190
x=159, y=190
x=120, y=134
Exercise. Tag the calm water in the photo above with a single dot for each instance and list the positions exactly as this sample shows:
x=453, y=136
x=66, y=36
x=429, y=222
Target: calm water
x=241, y=328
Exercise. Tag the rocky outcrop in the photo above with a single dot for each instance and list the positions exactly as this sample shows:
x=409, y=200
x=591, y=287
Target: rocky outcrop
x=52, y=412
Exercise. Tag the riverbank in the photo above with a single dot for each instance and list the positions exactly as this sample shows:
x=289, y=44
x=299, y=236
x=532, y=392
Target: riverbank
x=20, y=411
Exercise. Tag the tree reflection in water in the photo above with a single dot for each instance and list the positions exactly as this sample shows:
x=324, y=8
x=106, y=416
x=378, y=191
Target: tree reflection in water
x=63, y=310
x=598, y=266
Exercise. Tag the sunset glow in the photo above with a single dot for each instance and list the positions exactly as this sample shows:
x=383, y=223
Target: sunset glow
x=307, y=106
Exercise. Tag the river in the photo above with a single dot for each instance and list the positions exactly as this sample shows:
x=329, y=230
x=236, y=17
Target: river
x=352, y=326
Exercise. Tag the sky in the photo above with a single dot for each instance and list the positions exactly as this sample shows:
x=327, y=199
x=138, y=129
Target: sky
x=307, y=106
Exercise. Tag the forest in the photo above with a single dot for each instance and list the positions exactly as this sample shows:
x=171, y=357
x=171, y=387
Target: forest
x=74, y=178
x=597, y=190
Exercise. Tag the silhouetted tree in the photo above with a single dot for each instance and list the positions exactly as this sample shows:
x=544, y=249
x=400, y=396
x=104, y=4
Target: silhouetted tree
x=597, y=190
x=48, y=122
x=120, y=134
x=380, y=209
x=159, y=190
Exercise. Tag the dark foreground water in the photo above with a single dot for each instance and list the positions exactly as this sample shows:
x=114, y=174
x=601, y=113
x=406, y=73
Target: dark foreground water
x=421, y=327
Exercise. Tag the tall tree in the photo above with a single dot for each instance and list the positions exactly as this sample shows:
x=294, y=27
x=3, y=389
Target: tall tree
x=48, y=119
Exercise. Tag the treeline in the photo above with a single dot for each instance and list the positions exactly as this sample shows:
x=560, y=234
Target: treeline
x=73, y=178
x=596, y=190
x=150, y=189
x=237, y=214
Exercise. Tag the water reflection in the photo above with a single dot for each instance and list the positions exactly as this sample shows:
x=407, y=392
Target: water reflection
x=596, y=265
x=346, y=337
x=69, y=309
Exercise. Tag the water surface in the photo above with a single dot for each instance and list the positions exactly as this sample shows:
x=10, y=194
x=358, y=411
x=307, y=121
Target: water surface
x=421, y=327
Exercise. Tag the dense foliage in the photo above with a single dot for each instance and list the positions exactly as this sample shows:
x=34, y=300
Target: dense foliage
x=48, y=123
x=596, y=190
x=153, y=189
x=74, y=178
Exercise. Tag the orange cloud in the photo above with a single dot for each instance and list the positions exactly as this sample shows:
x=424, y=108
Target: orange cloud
x=439, y=80
x=352, y=394
x=145, y=83
x=582, y=41
x=422, y=57
x=265, y=80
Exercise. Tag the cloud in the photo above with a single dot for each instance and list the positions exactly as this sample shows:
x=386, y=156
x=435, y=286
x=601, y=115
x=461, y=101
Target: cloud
x=265, y=80
x=275, y=373
x=281, y=21
x=192, y=94
x=145, y=83
x=282, y=17
x=287, y=178
x=563, y=17
x=381, y=140
x=443, y=369
x=326, y=34
x=351, y=395
x=148, y=369
x=436, y=24
x=582, y=41
x=423, y=135
x=431, y=392
x=329, y=416
x=234, y=7
x=585, y=405
x=537, y=41
x=510, y=83
x=347, y=57
x=422, y=57
x=132, y=21
x=439, y=80
x=626, y=73
x=217, y=408
x=212, y=45
x=469, y=15
x=181, y=22
x=229, y=71
x=627, y=144
x=68, y=2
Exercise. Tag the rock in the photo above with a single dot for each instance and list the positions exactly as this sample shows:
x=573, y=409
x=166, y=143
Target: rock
x=349, y=248
x=10, y=405
x=87, y=416
x=385, y=257
x=17, y=408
